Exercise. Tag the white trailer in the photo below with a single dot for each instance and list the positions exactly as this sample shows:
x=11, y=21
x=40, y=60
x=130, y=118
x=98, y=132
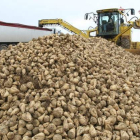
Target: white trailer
x=12, y=33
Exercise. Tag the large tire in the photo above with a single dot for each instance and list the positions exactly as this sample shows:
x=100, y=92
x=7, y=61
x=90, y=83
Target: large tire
x=125, y=43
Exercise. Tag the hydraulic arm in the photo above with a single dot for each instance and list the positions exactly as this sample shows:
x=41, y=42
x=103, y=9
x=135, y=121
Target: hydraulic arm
x=132, y=24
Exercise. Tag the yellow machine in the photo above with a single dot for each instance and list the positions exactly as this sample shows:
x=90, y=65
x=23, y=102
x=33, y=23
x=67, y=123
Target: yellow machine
x=112, y=24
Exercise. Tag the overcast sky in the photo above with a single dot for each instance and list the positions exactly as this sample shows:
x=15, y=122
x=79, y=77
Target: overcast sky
x=73, y=11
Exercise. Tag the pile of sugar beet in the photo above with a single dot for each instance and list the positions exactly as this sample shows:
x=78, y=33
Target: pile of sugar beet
x=69, y=88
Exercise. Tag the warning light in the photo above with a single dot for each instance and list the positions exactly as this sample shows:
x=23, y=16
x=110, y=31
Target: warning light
x=121, y=9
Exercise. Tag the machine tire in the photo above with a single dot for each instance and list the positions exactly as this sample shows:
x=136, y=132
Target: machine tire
x=125, y=43
x=3, y=47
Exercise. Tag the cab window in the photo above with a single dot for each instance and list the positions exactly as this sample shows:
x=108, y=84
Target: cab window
x=108, y=23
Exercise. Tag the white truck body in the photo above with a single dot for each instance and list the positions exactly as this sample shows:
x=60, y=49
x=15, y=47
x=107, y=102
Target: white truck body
x=13, y=33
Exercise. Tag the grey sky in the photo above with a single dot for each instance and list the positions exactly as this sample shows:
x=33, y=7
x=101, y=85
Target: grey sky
x=30, y=11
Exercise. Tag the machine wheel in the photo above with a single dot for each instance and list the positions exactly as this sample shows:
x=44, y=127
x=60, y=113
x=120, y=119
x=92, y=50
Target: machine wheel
x=125, y=43
x=3, y=47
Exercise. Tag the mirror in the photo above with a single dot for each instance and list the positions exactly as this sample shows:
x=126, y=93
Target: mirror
x=86, y=16
x=132, y=12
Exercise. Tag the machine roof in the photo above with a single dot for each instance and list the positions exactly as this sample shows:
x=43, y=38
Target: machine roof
x=108, y=10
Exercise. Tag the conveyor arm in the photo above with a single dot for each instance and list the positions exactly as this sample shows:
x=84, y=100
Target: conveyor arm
x=65, y=25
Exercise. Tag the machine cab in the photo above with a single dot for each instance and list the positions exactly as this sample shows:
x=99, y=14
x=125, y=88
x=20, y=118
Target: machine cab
x=108, y=22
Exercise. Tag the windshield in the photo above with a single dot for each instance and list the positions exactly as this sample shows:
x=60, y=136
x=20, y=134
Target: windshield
x=108, y=23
